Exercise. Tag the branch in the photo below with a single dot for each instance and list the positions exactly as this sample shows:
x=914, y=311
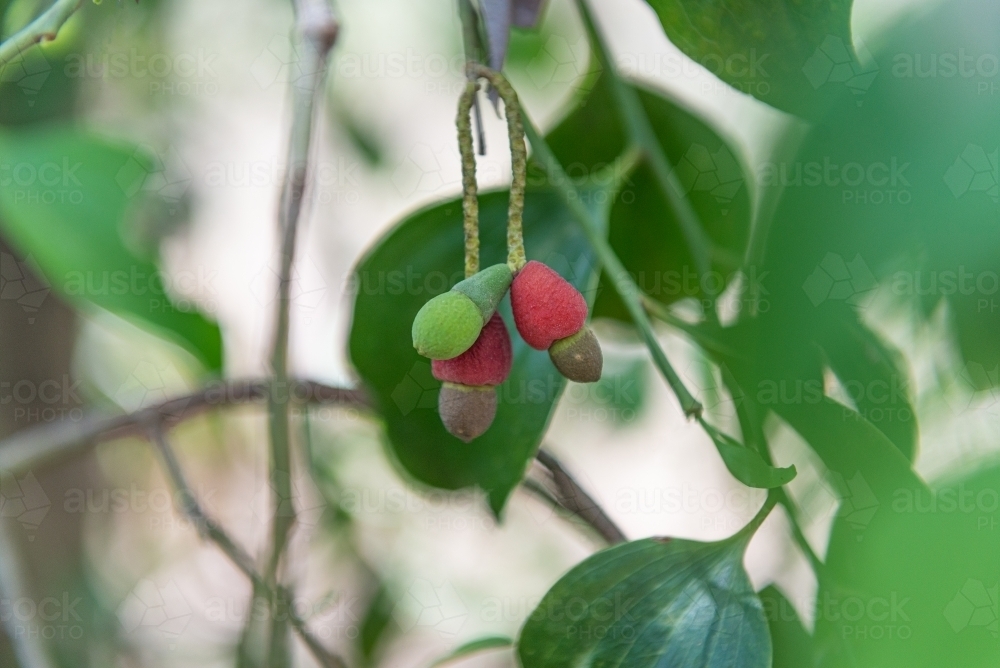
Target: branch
x=29, y=447
x=571, y=496
x=209, y=529
x=317, y=30
x=44, y=28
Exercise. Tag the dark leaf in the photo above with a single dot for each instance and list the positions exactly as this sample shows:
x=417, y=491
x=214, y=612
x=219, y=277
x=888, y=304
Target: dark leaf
x=653, y=602
x=792, y=54
x=422, y=257
x=644, y=231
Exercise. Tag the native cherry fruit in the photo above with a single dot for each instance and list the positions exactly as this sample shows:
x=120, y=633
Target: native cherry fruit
x=468, y=401
x=551, y=314
x=448, y=325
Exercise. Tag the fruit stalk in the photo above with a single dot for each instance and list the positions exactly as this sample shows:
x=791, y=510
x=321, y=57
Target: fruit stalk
x=519, y=162
x=470, y=201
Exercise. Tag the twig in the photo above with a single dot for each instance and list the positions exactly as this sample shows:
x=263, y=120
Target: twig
x=317, y=29
x=30, y=447
x=618, y=276
x=45, y=27
x=209, y=529
x=575, y=499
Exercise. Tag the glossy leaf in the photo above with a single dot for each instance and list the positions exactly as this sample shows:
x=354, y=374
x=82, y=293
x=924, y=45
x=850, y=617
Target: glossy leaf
x=422, y=257
x=66, y=207
x=653, y=602
x=792, y=54
x=644, y=231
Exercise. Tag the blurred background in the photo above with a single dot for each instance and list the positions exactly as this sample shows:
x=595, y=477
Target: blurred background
x=106, y=572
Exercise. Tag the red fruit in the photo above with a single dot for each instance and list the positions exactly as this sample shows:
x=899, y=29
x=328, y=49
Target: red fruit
x=487, y=362
x=546, y=306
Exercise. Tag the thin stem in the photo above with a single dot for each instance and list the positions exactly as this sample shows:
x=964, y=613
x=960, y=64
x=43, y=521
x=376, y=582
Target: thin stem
x=211, y=530
x=765, y=510
x=640, y=131
x=44, y=28
x=470, y=190
x=753, y=436
x=317, y=30
x=575, y=499
x=619, y=277
x=519, y=163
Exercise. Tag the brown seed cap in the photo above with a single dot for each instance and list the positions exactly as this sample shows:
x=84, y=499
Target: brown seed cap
x=578, y=357
x=467, y=411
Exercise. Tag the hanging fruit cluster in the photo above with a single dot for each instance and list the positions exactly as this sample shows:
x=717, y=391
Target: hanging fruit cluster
x=460, y=330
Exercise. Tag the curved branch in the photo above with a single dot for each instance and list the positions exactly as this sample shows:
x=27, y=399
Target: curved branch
x=29, y=447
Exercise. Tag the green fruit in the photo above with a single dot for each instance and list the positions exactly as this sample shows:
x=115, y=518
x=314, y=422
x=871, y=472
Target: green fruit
x=467, y=411
x=487, y=288
x=578, y=357
x=446, y=326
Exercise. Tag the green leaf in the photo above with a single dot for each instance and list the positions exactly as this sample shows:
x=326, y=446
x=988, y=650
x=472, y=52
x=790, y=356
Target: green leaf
x=653, y=602
x=746, y=465
x=65, y=206
x=474, y=647
x=791, y=54
x=849, y=445
x=793, y=646
x=917, y=583
x=643, y=230
x=874, y=375
x=421, y=257
x=920, y=224
x=375, y=625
